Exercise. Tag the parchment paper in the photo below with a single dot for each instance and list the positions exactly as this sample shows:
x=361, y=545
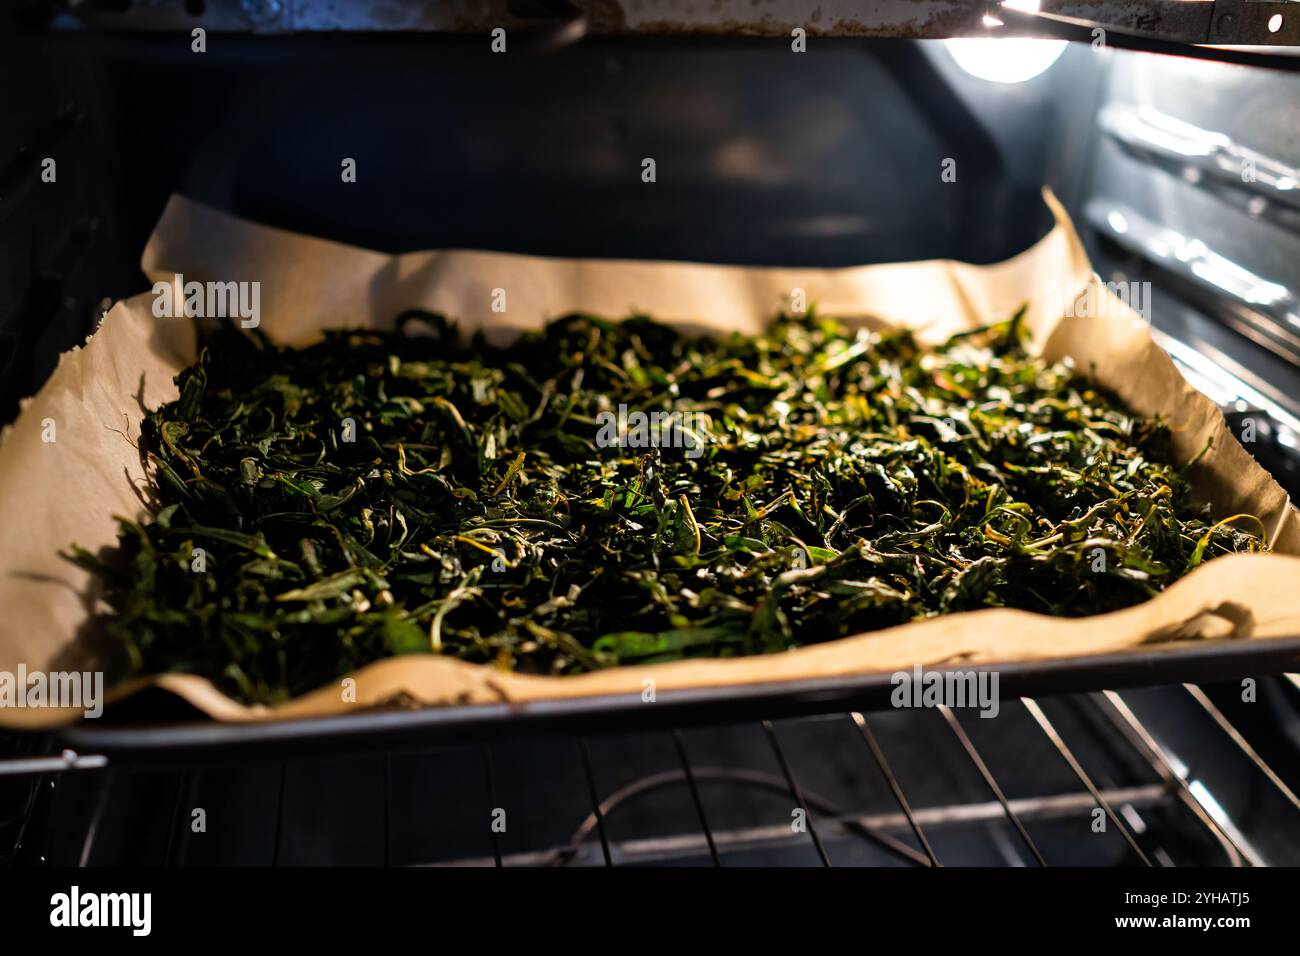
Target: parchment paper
x=53, y=493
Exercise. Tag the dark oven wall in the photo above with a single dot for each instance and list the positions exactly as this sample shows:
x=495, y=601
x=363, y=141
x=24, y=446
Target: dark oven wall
x=832, y=157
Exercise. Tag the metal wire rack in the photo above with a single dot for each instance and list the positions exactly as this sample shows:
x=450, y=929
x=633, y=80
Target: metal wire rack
x=1148, y=798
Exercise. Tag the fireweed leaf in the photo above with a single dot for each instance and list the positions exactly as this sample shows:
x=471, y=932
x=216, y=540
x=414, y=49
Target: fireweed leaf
x=607, y=492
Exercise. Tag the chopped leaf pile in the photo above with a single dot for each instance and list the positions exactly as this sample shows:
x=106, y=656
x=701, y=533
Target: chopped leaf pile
x=377, y=494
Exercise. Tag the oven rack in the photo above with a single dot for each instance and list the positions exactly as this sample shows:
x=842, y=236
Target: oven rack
x=904, y=833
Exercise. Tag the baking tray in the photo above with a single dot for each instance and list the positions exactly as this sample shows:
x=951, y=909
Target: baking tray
x=408, y=730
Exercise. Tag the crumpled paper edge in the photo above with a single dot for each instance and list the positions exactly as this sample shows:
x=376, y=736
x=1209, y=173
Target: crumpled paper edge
x=370, y=287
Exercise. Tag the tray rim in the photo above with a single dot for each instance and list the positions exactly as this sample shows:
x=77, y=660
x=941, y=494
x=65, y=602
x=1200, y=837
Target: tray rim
x=406, y=730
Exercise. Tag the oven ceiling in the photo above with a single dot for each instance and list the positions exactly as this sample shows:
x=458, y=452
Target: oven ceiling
x=1245, y=22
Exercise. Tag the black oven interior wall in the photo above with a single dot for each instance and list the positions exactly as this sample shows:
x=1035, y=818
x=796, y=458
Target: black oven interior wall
x=761, y=155
x=853, y=152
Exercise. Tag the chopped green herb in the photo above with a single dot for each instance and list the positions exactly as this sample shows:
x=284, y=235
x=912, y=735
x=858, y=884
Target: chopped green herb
x=603, y=493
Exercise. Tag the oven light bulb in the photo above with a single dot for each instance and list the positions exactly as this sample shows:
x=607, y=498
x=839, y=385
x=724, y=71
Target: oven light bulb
x=1005, y=59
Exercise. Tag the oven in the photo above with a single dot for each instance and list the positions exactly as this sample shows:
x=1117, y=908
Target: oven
x=1177, y=160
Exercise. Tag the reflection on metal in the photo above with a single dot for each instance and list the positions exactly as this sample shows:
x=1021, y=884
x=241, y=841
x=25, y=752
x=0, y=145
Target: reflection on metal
x=1246, y=41
x=1006, y=59
x=1242, y=743
x=1205, y=157
x=1175, y=773
x=1264, y=311
x=1220, y=378
x=68, y=760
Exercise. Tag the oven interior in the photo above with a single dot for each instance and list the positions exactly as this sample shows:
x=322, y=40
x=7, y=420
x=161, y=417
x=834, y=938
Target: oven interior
x=764, y=157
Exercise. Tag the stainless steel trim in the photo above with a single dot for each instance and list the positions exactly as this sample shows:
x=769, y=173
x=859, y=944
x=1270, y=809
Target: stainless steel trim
x=1212, y=372
x=1174, y=773
x=68, y=760
x=1268, y=312
x=1200, y=152
x=1242, y=744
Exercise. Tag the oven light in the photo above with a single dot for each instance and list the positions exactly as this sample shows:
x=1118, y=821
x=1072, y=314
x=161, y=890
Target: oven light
x=1006, y=59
